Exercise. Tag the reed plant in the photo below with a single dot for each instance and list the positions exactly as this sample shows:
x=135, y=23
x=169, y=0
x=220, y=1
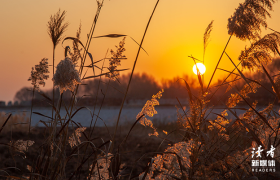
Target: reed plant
x=211, y=149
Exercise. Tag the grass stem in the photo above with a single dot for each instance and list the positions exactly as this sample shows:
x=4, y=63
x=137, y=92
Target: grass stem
x=134, y=65
x=218, y=64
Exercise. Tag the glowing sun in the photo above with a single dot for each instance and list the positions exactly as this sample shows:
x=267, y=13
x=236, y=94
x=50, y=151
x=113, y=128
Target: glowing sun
x=201, y=68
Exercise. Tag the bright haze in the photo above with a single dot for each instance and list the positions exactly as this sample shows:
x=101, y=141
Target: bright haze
x=176, y=32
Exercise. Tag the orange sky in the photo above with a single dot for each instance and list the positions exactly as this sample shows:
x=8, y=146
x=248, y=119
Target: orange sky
x=176, y=32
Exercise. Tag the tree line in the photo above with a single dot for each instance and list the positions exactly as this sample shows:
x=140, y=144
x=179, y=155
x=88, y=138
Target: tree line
x=143, y=86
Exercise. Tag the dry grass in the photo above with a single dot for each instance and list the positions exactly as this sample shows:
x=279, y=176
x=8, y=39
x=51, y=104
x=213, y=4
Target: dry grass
x=193, y=147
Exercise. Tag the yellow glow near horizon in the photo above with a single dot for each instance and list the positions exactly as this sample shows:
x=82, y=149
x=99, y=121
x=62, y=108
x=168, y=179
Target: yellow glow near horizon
x=168, y=43
x=201, y=68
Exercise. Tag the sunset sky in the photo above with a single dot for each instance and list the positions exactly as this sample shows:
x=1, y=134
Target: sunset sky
x=176, y=32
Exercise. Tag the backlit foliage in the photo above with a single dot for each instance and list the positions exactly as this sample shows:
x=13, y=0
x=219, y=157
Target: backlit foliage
x=56, y=27
x=100, y=168
x=220, y=123
x=211, y=148
x=76, y=55
x=167, y=166
x=66, y=76
x=260, y=52
x=74, y=140
x=236, y=98
x=39, y=74
x=248, y=18
x=205, y=145
x=115, y=60
x=149, y=110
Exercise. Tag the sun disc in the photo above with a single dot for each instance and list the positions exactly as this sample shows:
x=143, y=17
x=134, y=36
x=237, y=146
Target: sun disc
x=201, y=68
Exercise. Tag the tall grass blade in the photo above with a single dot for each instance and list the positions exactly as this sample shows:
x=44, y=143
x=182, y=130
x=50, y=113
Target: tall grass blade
x=272, y=82
x=257, y=139
x=5, y=122
x=45, y=96
x=43, y=115
x=111, y=36
x=147, y=169
x=89, y=77
x=188, y=89
x=132, y=128
x=263, y=118
x=242, y=75
x=140, y=46
x=134, y=65
x=185, y=115
x=78, y=40
x=44, y=123
x=218, y=64
x=119, y=35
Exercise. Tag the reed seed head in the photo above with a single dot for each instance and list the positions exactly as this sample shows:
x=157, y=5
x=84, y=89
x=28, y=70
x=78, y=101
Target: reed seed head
x=39, y=74
x=66, y=76
x=76, y=55
x=56, y=27
x=115, y=60
x=248, y=18
x=149, y=110
x=74, y=140
x=260, y=52
x=21, y=145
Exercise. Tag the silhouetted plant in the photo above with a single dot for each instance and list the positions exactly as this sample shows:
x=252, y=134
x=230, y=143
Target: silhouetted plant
x=260, y=52
x=56, y=28
x=248, y=18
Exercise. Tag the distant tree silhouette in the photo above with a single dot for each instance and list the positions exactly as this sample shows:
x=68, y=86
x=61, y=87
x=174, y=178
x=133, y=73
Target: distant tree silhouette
x=176, y=87
x=143, y=86
x=24, y=94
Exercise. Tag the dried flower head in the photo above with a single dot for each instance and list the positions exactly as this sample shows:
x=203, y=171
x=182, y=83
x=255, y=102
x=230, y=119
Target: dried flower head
x=149, y=110
x=74, y=140
x=38, y=74
x=260, y=52
x=56, y=27
x=206, y=37
x=220, y=124
x=115, y=61
x=66, y=76
x=166, y=166
x=248, y=88
x=76, y=55
x=249, y=114
x=248, y=18
x=21, y=145
x=101, y=168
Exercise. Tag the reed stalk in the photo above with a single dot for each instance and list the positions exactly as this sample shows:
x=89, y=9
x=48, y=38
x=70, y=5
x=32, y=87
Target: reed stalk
x=130, y=78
